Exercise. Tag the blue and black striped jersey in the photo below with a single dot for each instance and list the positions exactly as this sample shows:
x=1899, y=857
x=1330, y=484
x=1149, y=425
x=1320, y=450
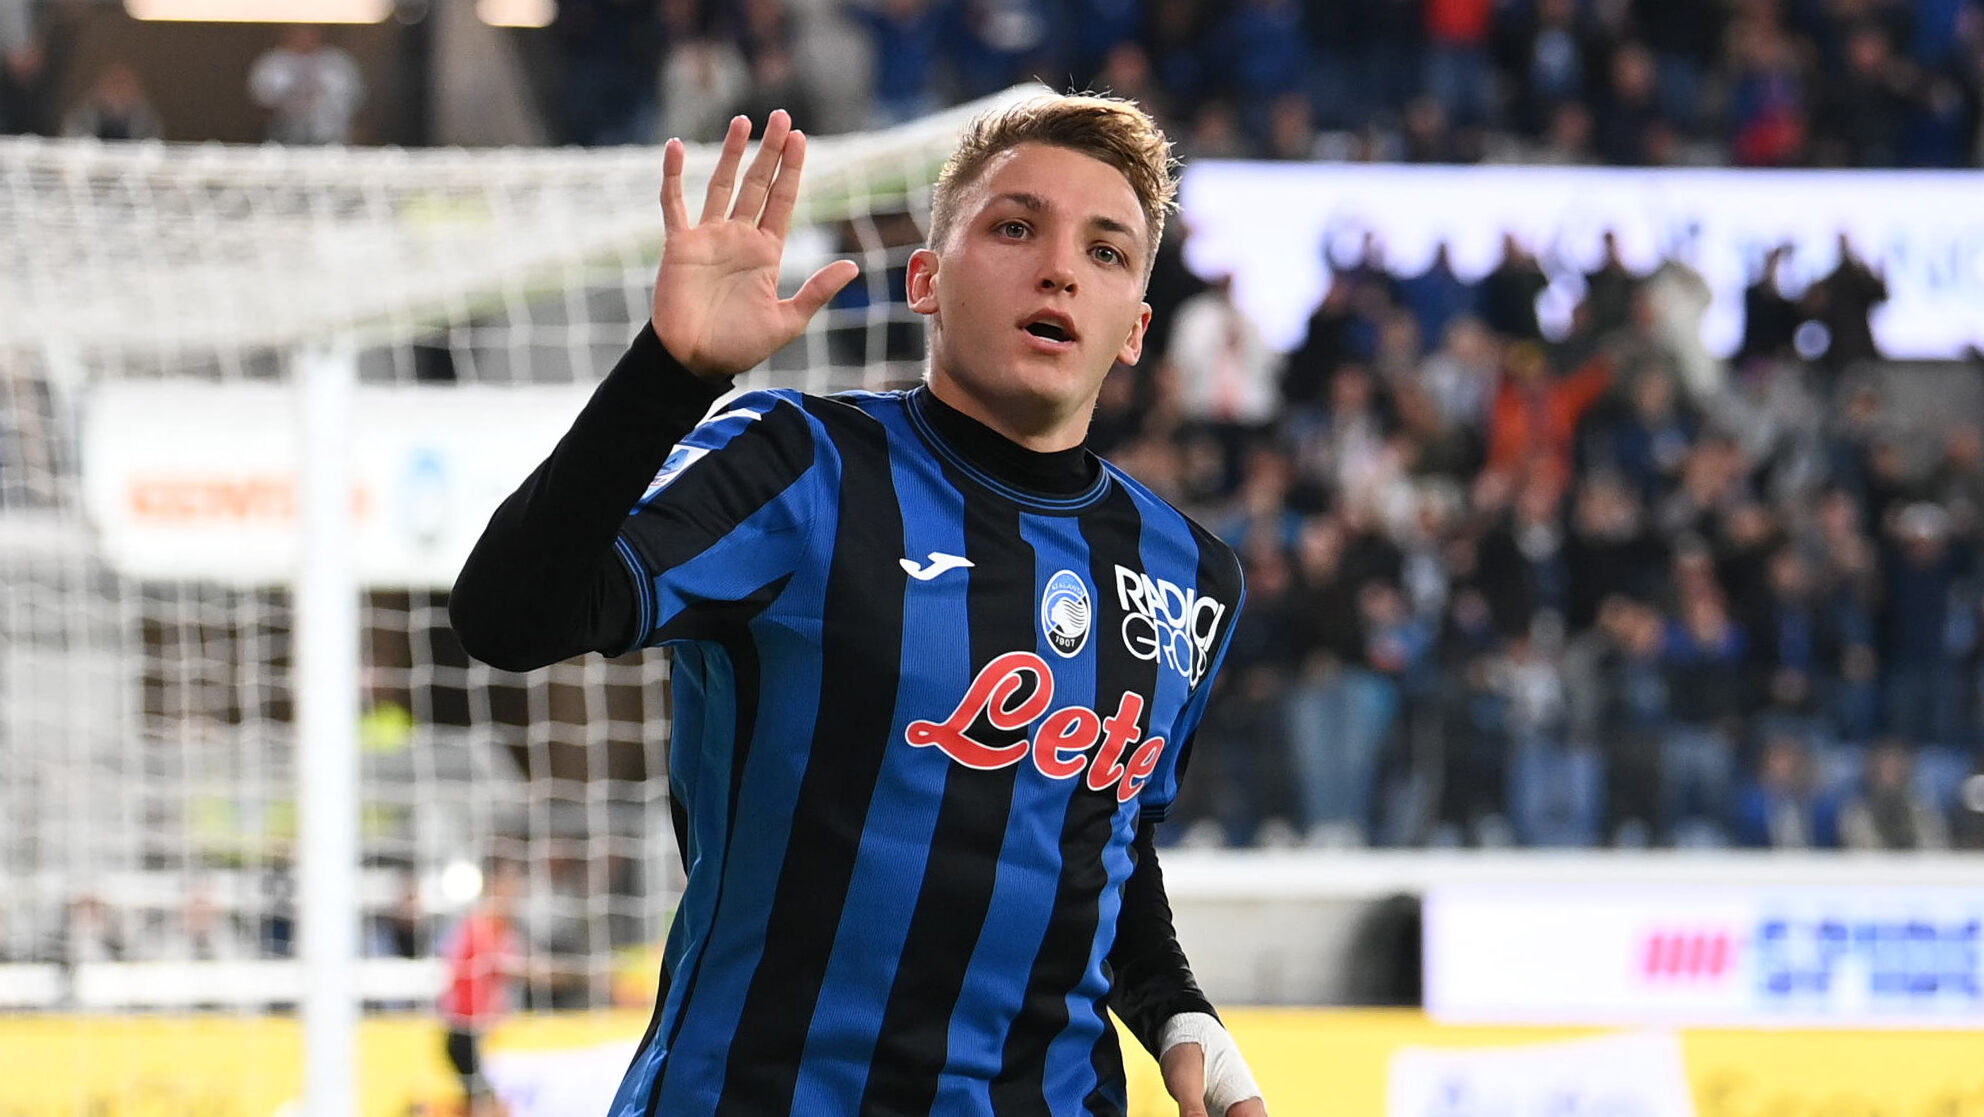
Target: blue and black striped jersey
x=923, y=712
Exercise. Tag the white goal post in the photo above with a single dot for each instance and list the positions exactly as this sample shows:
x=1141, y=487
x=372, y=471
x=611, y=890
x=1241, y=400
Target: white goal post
x=255, y=404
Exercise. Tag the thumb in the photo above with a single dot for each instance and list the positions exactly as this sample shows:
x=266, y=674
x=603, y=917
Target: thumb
x=1184, y=1068
x=821, y=286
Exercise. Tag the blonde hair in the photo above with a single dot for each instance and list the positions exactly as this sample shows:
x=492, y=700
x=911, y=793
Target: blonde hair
x=1109, y=129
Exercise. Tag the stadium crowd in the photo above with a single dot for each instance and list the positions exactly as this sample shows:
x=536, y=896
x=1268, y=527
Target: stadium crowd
x=1869, y=83
x=1763, y=83
x=1602, y=589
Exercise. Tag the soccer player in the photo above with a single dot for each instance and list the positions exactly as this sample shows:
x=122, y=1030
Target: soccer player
x=936, y=665
x=484, y=959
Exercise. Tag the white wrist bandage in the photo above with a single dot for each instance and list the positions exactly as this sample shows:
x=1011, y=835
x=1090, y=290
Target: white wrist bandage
x=1228, y=1081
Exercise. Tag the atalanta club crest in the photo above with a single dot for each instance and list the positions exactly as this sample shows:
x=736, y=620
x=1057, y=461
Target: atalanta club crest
x=1064, y=612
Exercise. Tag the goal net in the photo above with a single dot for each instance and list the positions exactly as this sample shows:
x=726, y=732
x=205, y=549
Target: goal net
x=157, y=304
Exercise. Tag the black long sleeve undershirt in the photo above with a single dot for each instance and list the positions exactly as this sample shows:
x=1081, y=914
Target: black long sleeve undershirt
x=1151, y=981
x=543, y=585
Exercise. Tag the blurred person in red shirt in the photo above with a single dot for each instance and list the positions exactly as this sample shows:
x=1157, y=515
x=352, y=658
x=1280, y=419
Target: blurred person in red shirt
x=1534, y=419
x=484, y=955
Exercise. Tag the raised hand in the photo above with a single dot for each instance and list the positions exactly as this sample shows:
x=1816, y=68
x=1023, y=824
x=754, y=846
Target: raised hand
x=716, y=304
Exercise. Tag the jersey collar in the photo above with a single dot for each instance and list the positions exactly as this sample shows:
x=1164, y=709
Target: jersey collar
x=1058, y=480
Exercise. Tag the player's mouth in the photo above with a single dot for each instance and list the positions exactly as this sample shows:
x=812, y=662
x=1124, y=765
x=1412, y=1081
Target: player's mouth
x=1050, y=331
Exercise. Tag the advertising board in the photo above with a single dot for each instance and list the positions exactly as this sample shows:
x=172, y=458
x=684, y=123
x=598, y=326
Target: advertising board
x=1706, y=955
x=200, y=481
x=1273, y=226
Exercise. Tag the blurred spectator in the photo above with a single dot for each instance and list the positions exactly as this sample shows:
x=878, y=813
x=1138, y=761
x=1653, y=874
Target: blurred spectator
x=1536, y=413
x=90, y=933
x=1956, y=483
x=612, y=60
x=27, y=84
x=1843, y=302
x=1629, y=129
x=1436, y=296
x=1651, y=442
x=115, y=108
x=1610, y=289
x=1767, y=107
x=1174, y=41
x=704, y=83
x=992, y=44
x=1459, y=377
x=1338, y=333
x=1427, y=134
x=1920, y=650
x=1431, y=446
x=1458, y=74
x=1610, y=553
x=1800, y=650
x=1886, y=811
x=1616, y=689
x=1667, y=313
x=202, y=931
x=1340, y=708
x=1126, y=72
x=1783, y=807
x=1344, y=447
x=1684, y=37
x=1224, y=374
x=1556, y=51
x=1703, y=655
x=1291, y=128
x=1101, y=29
x=908, y=39
x=278, y=931
x=1240, y=783
x=1522, y=569
x=1555, y=787
x=1769, y=318
x=401, y=930
x=1508, y=293
x=311, y=88
x=1860, y=121
x=1259, y=54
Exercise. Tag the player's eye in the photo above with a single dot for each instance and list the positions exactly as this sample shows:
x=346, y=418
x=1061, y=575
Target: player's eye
x=1013, y=229
x=1108, y=254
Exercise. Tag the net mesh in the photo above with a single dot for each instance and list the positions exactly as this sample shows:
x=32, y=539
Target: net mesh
x=154, y=294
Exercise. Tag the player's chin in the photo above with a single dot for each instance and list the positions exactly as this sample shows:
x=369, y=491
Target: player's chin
x=1068, y=370
x=1056, y=385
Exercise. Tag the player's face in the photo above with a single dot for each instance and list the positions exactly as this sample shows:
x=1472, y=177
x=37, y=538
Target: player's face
x=1038, y=292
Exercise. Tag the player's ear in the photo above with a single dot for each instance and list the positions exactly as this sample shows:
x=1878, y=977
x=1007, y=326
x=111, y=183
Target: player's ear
x=1133, y=346
x=921, y=284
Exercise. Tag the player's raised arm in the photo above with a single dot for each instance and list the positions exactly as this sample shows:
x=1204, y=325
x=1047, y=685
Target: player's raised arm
x=716, y=302
x=543, y=583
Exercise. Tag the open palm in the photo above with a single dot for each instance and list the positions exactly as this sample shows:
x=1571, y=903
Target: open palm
x=716, y=303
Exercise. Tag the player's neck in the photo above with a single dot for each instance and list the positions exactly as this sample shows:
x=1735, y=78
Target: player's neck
x=1043, y=430
x=1057, y=472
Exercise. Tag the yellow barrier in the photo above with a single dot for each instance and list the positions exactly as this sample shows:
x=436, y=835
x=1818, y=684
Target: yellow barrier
x=1310, y=1062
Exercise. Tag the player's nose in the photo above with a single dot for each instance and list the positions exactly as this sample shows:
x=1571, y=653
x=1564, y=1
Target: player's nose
x=1057, y=269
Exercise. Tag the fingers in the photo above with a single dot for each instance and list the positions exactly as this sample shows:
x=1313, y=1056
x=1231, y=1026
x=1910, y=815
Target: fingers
x=674, y=214
x=716, y=200
x=821, y=287
x=785, y=190
x=1184, y=1068
x=758, y=180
